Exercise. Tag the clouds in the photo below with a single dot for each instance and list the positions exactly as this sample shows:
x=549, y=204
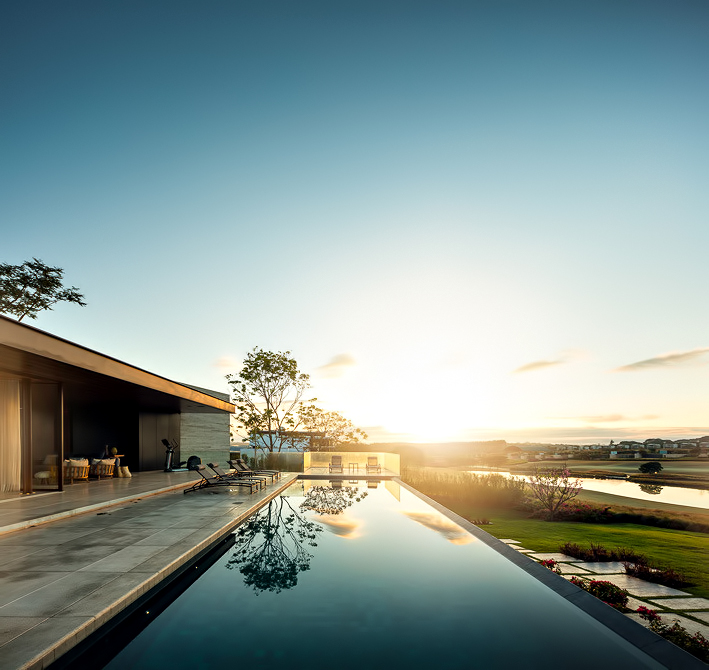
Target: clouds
x=336, y=367
x=228, y=364
x=612, y=418
x=667, y=360
x=564, y=357
x=538, y=365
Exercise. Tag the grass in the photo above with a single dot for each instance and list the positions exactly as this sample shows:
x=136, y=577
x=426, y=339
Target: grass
x=684, y=551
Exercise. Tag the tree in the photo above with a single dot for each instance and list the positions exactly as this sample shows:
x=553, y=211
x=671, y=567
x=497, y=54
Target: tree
x=552, y=487
x=650, y=468
x=30, y=288
x=268, y=393
x=335, y=427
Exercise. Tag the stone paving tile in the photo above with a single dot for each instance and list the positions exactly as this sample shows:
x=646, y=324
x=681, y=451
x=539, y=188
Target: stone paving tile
x=42, y=537
x=639, y=587
x=522, y=550
x=14, y=585
x=105, y=596
x=54, y=597
x=19, y=551
x=690, y=625
x=123, y=560
x=69, y=560
x=683, y=604
x=704, y=616
x=116, y=535
x=508, y=541
x=556, y=556
x=34, y=643
x=11, y=627
x=164, y=538
x=571, y=569
x=603, y=567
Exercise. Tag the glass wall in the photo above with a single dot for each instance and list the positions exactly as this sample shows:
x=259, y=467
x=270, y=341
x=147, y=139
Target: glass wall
x=45, y=436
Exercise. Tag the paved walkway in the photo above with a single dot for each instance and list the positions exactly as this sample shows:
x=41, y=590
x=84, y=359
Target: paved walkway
x=18, y=511
x=61, y=581
x=671, y=604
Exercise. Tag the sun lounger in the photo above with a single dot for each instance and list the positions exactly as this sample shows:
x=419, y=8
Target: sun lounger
x=241, y=468
x=373, y=465
x=214, y=482
x=336, y=464
x=214, y=467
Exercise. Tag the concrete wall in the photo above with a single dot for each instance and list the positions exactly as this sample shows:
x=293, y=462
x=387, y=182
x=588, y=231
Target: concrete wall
x=205, y=435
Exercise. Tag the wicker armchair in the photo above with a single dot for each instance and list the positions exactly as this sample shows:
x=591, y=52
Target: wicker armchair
x=104, y=468
x=74, y=472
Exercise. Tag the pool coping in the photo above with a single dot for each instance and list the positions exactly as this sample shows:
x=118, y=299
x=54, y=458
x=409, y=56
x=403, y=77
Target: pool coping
x=650, y=643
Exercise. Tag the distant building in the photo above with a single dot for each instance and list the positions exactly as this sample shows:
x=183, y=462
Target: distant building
x=289, y=440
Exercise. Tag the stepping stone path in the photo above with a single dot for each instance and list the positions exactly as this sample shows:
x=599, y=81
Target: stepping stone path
x=693, y=612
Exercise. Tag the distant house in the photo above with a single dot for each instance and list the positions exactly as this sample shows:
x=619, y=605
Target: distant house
x=514, y=454
x=289, y=440
x=59, y=399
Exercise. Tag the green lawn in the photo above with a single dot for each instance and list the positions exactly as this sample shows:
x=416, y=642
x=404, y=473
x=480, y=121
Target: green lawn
x=684, y=551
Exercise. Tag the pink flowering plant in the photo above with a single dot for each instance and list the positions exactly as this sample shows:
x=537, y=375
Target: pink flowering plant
x=552, y=565
x=608, y=592
x=695, y=644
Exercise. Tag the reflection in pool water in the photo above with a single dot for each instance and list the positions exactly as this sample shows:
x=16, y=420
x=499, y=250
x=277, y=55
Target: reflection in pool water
x=406, y=589
x=270, y=549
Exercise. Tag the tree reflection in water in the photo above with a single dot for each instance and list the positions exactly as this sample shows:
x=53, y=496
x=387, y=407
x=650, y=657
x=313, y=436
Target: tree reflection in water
x=270, y=548
x=653, y=489
x=330, y=500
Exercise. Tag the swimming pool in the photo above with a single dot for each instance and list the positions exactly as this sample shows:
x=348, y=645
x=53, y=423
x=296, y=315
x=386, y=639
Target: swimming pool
x=351, y=576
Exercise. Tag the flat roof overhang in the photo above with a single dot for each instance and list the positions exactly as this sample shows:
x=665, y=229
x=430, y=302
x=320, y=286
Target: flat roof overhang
x=29, y=353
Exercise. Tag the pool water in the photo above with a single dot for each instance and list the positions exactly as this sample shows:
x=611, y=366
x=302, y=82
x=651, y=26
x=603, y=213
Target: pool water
x=358, y=577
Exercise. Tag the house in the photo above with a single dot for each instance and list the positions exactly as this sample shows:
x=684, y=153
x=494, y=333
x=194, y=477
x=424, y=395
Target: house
x=60, y=399
x=289, y=440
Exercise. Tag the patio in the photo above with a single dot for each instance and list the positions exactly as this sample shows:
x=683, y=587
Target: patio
x=22, y=511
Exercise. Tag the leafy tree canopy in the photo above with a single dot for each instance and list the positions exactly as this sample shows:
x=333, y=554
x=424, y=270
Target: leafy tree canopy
x=337, y=428
x=650, y=467
x=30, y=288
x=267, y=392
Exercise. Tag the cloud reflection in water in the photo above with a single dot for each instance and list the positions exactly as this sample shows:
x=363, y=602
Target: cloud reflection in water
x=444, y=527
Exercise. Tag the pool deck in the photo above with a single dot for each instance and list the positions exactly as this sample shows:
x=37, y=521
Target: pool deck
x=74, y=560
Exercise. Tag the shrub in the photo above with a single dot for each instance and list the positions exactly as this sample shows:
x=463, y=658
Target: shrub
x=696, y=644
x=665, y=576
x=608, y=592
x=598, y=552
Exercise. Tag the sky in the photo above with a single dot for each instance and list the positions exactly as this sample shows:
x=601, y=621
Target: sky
x=466, y=220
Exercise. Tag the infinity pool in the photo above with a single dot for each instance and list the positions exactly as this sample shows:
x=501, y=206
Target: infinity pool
x=356, y=577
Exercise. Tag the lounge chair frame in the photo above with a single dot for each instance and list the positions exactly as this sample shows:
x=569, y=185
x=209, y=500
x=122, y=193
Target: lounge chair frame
x=208, y=482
